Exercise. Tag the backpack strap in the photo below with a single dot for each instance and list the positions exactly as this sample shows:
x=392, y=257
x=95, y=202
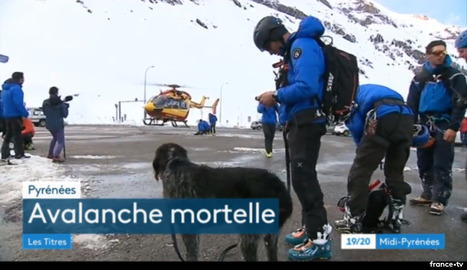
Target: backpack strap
x=446, y=77
x=447, y=80
x=388, y=101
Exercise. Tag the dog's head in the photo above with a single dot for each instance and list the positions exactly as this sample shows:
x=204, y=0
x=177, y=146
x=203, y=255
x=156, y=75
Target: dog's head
x=164, y=154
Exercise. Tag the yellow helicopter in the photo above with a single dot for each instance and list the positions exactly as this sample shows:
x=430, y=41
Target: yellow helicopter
x=172, y=105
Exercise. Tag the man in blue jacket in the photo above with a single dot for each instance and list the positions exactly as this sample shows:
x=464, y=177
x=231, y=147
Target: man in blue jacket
x=212, y=122
x=203, y=127
x=300, y=98
x=268, y=121
x=13, y=113
x=2, y=120
x=436, y=96
x=382, y=127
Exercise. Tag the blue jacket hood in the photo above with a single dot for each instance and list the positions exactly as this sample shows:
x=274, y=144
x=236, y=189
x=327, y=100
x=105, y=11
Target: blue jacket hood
x=8, y=84
x=309, y=27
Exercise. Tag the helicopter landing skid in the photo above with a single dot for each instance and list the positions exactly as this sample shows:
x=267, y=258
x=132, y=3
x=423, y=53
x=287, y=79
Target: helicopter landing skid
x=174, y=124
x=152, y=122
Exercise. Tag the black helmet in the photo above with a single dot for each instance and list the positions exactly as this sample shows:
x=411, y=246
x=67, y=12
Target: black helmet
x=264, y=31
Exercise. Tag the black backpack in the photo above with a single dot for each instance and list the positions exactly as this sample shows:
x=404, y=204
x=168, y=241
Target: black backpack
x=342, y=81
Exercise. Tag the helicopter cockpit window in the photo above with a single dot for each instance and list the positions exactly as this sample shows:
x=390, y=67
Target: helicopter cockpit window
x=172, y=103
x=159, y=101
x=183, y=105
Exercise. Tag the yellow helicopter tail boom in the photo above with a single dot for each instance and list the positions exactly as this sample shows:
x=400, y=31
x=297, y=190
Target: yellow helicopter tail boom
x=214, y=106
x=199, y=105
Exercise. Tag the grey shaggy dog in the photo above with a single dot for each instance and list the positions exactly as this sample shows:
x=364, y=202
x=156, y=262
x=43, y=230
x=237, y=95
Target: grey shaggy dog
x=182, y=178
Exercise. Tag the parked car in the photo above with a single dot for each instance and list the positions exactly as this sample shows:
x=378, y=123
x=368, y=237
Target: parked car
x=256, y=125
x=341, y=129
x=37, y=116
x=259, y=125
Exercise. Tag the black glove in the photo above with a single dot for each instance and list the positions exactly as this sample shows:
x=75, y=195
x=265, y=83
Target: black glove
x=67, y=105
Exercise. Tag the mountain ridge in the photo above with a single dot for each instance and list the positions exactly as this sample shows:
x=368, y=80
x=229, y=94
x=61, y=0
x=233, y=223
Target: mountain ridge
x=101, y=49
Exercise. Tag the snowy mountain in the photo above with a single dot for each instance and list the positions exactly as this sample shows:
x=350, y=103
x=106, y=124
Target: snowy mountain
x=103, y=49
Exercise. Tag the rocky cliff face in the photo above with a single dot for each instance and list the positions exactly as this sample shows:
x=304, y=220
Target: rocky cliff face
x=365, y=13
x=359, y=12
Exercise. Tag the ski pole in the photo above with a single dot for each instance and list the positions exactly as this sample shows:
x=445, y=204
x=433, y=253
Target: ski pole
x=287, y=157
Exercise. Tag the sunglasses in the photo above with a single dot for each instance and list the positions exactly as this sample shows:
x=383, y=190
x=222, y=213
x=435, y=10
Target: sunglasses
x=439, y=53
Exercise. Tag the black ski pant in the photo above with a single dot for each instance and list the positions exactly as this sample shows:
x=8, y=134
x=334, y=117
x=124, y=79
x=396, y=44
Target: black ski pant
x=269, y=131
x=13, y=134
x=213, y=128
x=392, y=142
x=435, y=167
x=2, y=126
x=304, y=141
x=27, y=138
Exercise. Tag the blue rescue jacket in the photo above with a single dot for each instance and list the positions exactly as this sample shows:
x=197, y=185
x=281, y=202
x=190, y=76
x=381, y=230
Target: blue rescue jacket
x=1, y=106
x=13, y=100
x=282, y=115
x=429, y=95
x=212, y=119
x=203, y=126
x=269, y=115
x=306, y=69
x=367, y=95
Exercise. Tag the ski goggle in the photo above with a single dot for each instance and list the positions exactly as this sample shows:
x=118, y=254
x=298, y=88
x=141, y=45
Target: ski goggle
x=439, y=53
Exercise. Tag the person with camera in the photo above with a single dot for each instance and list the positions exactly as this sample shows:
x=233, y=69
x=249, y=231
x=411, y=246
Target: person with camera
x=55, y=111
x=437, y=96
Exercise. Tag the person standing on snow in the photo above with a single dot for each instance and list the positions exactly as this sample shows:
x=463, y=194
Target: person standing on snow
x=382, y=127
x=434, y=97
x=306, y=124
x=55, y=111
x=13, y=113
x=212, y=122
x=268, y=122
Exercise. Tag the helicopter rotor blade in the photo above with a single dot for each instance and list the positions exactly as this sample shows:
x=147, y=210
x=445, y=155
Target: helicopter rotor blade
x=171, y=85
x=174, y=85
